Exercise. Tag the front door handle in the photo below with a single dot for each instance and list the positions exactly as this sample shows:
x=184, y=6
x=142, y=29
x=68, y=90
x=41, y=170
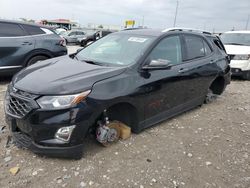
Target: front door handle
x=26, y=43
x=182, y=70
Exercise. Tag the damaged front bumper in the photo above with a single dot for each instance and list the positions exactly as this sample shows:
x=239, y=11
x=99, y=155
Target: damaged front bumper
x=56, y=133
x=25, y=136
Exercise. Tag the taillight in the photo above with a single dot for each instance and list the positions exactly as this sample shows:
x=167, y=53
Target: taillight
x=62, y=42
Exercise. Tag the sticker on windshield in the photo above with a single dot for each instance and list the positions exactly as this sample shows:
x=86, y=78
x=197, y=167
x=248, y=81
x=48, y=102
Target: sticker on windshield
x=137, y=39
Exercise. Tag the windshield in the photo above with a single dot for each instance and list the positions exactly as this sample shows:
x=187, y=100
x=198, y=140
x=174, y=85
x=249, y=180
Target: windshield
x=236, y=38
x=61, y=32
x=116, y=49
x=64, y=33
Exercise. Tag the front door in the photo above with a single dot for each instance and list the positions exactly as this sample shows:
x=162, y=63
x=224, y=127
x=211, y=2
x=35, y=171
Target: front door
x=165, y=90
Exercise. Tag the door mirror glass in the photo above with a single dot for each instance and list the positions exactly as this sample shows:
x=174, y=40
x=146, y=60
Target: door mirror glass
x=158, y=65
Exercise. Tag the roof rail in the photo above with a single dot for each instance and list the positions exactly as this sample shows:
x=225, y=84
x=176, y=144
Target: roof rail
x=186, y=29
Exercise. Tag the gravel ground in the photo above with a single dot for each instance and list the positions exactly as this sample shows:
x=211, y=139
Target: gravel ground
x=206, y=147
x=72, y=48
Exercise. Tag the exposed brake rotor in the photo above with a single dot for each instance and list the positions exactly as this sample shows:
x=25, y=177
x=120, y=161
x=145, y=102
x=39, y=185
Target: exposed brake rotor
x=109, y=133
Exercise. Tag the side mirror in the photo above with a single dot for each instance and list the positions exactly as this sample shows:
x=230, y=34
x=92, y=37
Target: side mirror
x=158, y=65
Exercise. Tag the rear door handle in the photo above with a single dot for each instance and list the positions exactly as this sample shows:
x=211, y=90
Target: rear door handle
x=182, y=70
x=212, y=61
x=26, y=43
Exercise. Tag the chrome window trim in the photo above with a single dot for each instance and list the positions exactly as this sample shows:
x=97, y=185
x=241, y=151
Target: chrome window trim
x=25, y=36
x=9, y=67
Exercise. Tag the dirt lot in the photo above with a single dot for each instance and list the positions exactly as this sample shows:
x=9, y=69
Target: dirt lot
x=206, y=147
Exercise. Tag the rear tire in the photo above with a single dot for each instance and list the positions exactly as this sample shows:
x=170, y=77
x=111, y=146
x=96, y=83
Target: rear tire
x=210, y=97
x=246, y=75
x=83, y=43
x=35, y=59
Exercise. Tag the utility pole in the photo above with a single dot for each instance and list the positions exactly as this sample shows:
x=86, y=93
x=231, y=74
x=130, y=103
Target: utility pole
x=143, y=21
x=176, y=11
x=247, y=21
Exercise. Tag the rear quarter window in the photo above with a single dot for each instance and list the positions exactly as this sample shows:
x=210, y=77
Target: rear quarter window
x=217, y=42
x=11, y=30
x=33, y=30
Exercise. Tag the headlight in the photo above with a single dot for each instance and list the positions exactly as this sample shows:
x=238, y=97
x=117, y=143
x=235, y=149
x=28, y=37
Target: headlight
x=241, y=57
x=61, y=102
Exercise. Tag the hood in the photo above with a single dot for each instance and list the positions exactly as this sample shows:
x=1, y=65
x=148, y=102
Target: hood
x=237, y=49
x=62, y=75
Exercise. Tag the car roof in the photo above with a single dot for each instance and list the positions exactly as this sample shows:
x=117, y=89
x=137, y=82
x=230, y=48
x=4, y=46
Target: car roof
x=159, y=32
x=147, y=32
x=241, y=31
x=26, y=23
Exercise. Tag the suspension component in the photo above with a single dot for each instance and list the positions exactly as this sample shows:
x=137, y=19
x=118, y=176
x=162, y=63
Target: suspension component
x=107, y=134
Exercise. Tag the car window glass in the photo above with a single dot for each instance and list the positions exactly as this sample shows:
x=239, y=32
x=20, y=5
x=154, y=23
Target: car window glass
x=195, y=47
x=118, y=50
x=80, y=33
x=33, y=30
x=218, y=43
x=11, y=30
x=72, y=34
x=207, y=48
x=168, y=49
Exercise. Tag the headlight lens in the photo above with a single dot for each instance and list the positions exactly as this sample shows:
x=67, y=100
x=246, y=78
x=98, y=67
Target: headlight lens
x=61, y=102
x=241, y=57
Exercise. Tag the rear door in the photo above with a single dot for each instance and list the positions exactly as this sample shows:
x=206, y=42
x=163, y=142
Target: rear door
x=199, y=66
x=15, y=44
x=43, y=37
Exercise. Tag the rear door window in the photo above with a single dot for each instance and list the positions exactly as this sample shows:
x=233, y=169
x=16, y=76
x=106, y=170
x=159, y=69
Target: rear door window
x=11, y=30
x=33, y=30
x=194, y=47
x=80, y=33
x=207, y=48
x=72, y=33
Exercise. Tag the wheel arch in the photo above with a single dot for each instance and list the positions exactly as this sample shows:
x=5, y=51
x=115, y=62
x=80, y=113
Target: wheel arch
x=125, y=112
x=37, y=52
x=218, y=85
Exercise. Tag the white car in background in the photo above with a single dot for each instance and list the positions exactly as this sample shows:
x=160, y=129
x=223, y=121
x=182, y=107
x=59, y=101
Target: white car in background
x=237, y=44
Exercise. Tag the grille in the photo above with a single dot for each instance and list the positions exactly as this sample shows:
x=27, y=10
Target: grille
x=19, y=105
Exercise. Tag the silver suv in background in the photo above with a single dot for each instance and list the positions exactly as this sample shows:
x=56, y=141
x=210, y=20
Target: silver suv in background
x=72, y=36
x=23, y=44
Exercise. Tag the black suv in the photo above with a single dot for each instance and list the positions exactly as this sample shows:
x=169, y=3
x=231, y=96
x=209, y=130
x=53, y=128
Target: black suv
x=136, y=77
x=92, y=37
x=23, y=44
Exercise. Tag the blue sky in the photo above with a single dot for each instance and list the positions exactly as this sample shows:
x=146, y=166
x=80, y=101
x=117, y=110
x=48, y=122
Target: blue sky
x=220, y=15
